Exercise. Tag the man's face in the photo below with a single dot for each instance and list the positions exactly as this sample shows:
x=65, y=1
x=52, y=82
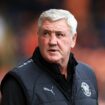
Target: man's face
x=55, y=40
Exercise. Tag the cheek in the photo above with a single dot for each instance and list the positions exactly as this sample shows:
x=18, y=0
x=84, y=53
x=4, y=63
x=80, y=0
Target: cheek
x=42, y=42
x=66, y=43
x=69, y=42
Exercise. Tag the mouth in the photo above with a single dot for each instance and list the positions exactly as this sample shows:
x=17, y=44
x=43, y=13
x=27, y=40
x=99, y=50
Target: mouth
x=52, y=50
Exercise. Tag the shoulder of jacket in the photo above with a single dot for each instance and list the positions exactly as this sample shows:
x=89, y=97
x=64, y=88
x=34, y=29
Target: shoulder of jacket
x=26, y=73
x=85, y=71
x=26, y=68
x=84, y=67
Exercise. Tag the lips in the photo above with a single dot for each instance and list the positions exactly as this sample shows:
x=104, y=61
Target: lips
x=52, y=50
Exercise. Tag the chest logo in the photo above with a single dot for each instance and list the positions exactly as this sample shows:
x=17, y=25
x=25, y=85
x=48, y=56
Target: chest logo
x=49, y=90
x=86, y=89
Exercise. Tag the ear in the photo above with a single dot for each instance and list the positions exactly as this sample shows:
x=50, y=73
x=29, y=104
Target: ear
x=73, y=42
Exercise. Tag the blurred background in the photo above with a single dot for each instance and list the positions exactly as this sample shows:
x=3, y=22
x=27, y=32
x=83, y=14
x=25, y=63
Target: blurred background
x=18, y=39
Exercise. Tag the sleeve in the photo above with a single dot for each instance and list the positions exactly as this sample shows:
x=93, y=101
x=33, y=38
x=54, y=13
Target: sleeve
x=12, y=93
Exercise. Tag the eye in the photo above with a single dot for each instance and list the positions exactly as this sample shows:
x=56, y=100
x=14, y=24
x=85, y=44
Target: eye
x=45, y=33
x=60, y=34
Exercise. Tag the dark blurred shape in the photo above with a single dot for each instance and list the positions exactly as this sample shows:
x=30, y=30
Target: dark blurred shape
x=33, y=5
x=98, y=13
x=20, y=13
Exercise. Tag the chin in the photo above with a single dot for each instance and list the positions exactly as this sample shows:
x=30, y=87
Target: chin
x=52, y=60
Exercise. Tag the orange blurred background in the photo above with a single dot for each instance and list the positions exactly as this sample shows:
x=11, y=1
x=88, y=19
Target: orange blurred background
x=18, y=35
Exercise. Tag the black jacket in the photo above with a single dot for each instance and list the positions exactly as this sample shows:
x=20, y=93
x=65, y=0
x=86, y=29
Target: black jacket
x=41, y=83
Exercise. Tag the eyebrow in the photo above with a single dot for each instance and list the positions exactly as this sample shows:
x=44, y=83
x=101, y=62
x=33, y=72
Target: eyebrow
x=52, y=31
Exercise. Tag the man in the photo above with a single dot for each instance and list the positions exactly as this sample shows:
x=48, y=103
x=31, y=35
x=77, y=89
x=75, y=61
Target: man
x=52, y=76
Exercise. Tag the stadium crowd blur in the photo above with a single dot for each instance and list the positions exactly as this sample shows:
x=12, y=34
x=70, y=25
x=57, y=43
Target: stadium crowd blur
x=18, y=20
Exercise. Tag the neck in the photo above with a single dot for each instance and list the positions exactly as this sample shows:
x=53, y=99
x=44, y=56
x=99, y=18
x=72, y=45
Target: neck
x=63, y=71
x=63, y=67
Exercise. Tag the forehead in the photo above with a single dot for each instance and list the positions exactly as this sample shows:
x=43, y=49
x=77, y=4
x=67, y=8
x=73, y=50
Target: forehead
x=55, y=25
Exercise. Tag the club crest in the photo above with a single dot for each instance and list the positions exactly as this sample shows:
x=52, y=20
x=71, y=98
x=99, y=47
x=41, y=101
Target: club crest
x=86, y=89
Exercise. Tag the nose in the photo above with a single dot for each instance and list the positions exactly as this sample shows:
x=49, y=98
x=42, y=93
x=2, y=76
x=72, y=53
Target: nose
x=53, y=39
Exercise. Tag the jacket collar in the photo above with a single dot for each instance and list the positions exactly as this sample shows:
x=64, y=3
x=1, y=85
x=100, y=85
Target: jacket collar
x=51, y=67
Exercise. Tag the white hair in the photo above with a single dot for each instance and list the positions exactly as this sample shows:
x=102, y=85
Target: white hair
x=57, y=14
